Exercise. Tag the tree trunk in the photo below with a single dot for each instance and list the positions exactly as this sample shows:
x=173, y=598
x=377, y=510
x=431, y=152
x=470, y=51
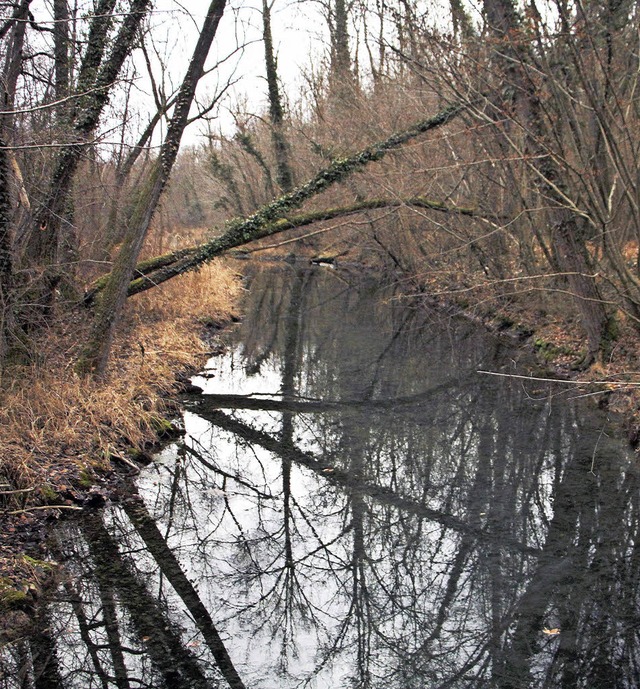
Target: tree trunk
x=276, y=111
x=512, y=54
x=341, y=76
x=61, y=50
x=149, y=266
x=271, y=219
x=461, y=21
x=13, y=57
x=96, y=353
x=6, y=254
x=341, y=58
x=95, y=81
x=11, y=72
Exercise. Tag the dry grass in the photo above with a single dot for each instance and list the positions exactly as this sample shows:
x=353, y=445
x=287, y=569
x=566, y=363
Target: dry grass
x=55, y=427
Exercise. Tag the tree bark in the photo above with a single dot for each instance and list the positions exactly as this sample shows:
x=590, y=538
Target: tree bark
x=150, y=266
x=95, y=81
x=6, y=254
x=341, y=77
x=461, y=21
x=523, y=101
x=96, y=353
x=13, y=63
x=11, y=72
x=61, y=50
x=276, y=111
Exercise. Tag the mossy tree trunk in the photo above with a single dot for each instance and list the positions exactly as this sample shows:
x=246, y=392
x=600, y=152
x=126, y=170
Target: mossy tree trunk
x=341, y=77
x=276, y=111
x=61, y=51
x=272, y=218
x=461, y=21
x=149, y=268
x=98, y=73
x=96, y=353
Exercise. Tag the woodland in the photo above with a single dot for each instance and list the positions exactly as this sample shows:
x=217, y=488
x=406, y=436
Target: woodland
x=484, y=153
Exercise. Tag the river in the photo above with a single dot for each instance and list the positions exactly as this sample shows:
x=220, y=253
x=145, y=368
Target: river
x=356, y=503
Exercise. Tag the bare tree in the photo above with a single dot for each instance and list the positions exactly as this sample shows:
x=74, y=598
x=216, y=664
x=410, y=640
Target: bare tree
x=98, y=73
x=276, y=111
x=524, y=101
x=96, y=353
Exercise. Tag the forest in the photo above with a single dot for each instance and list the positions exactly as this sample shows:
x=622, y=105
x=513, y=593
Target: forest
x=484, y=154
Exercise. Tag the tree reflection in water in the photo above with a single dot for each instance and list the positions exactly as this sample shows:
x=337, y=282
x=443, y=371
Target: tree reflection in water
x=355, y=506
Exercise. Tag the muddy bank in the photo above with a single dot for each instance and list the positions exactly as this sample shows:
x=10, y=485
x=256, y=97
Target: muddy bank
x=69, y=444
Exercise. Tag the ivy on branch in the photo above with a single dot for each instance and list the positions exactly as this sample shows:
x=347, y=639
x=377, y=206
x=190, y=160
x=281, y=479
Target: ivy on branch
x=272, y=218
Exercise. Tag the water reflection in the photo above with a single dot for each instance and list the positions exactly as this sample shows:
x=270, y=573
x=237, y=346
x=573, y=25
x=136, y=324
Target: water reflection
x=355, y=507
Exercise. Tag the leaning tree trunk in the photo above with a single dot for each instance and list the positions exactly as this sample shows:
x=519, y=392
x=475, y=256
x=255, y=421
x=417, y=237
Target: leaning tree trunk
x=272, y=218
x=148, y=271
x=96, y=353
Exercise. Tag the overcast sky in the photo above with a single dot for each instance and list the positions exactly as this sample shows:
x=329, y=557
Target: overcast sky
x=298, y=32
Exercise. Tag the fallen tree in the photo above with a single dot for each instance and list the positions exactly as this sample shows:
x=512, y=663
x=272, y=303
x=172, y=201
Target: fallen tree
x=149, y=267
x=272, y=218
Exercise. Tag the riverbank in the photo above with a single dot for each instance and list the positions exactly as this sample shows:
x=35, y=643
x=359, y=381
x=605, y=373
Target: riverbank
x=66, y=442
x=539, y=321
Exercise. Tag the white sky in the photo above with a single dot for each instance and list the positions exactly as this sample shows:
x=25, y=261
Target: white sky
x=298, y=35
x=301, y=43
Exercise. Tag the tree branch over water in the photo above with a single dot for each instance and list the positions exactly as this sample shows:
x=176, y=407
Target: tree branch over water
x=271, y=218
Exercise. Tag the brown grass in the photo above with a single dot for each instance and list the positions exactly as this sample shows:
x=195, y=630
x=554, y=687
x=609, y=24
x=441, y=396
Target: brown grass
x=56, y=428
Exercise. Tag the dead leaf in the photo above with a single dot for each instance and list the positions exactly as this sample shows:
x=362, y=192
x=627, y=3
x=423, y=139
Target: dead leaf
x=551, y=632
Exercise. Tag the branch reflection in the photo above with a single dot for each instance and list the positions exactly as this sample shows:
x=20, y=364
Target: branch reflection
x=354, y=506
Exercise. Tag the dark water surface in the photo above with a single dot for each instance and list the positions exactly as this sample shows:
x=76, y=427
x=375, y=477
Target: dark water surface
x=354, y=505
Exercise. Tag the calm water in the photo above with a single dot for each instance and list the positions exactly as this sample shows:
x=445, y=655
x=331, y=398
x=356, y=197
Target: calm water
x=354, y=505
